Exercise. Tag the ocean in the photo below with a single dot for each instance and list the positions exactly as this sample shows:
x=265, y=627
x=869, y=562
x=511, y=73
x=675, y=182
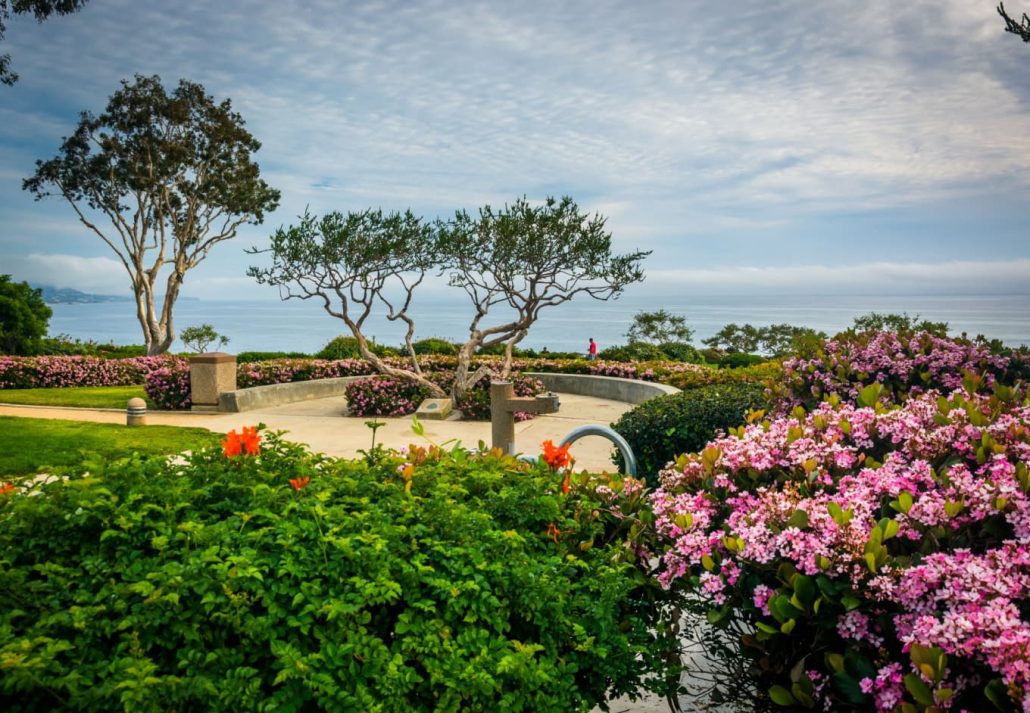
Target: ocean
x=303, y=326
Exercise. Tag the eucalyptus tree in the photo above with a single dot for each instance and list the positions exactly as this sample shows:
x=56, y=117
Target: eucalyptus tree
x=658, y=327
x=172, y=174
x=356, y=265
x=41, y=10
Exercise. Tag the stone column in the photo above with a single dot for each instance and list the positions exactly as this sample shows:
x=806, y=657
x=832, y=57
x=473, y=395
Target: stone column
x=210, y=375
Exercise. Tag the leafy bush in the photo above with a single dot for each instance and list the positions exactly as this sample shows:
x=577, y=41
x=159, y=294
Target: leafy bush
x=384, y=396
x=662, y=428
x=902, y=364
x=475, y=406
x=680, y=351
x=64, y=345
x=285, y=371
x=246, y=357
x=634, y=351
x=875, y=556
x=344, y=347
x=169, y=387
x=57, y=371
x=435, y=345
x=24, y=317
x=739, y=359
x=289, y=581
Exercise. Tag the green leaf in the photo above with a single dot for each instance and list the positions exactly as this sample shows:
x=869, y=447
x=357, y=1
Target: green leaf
x=798, y=519
x=919, y=690
x=417, y=428
x=781, y=696
x=870, y=395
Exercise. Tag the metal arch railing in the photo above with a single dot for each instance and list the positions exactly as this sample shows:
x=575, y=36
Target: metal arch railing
x=596, y=429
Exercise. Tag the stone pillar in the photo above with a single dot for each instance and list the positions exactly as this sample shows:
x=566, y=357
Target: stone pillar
x=210, y=375
x=136, y=412
x=502, y=418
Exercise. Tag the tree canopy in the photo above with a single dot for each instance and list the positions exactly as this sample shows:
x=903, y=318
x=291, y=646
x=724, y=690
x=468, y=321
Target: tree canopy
x=24, y=317
x=173, y=175
x=512, y=263
x=1020, y=28
x=659, y=327
x=41, y=10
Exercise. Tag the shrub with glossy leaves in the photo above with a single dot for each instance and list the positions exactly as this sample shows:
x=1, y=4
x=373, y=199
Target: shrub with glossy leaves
x=283, y=580
x=662, y=428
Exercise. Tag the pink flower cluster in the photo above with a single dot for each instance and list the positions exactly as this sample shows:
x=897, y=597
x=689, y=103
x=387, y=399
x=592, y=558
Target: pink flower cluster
x=383, y=396
x=62, y=371
x=622, y=371
x=169, y=387
x=904, y=363
x=284, y=371
x=920, y=511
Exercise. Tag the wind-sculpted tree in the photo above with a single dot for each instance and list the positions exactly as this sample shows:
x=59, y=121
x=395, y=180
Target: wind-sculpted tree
x=775, y=340
x=173, y=174
x=523, y=259
x=520, y=259
x=658, y=327
x=899, y=324
x=1019, y=28
x=353, y=264
x=41, y=10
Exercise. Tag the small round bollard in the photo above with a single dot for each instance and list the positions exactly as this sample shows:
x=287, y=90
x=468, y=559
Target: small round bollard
x=136, y=413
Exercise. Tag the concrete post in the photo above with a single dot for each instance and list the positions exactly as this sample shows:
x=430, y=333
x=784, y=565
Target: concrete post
x=136, y=412
x=502, y=419
x=210, y=375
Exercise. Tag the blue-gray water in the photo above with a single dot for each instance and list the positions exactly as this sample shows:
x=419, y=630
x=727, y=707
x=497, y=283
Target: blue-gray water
x=303, y=326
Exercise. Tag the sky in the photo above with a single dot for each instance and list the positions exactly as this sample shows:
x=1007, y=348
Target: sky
x=755, y=146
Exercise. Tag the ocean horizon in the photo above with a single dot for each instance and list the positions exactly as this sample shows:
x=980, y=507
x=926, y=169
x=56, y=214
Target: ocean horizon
x=303, y=326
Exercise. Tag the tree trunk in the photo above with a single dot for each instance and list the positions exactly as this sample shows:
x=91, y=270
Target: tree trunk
x=386, y=370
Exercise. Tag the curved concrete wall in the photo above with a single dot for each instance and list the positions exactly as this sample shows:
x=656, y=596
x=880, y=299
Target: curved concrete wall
x=603, y=387
x=276, y=394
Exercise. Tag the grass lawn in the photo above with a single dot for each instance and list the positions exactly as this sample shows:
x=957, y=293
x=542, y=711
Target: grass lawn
x=85, y=396
x=27, y=444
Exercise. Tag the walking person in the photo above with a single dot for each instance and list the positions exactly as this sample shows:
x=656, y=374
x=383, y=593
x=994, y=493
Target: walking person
x=592, y=350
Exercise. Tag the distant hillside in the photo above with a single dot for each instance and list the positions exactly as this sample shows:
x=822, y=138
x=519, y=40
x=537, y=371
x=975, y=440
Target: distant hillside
x=66, y=295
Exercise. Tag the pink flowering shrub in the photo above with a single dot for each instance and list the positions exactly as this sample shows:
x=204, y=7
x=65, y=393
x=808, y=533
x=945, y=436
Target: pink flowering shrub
x=904, y=363
x=475, y=406
x=284, y=371
x=384, y=396
x=61, y=371
x=878, y=555
x=169, y=387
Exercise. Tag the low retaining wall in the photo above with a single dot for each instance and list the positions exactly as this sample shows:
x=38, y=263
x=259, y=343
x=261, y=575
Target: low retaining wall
x=603, y=387
x=277, y=394
x=631, y=391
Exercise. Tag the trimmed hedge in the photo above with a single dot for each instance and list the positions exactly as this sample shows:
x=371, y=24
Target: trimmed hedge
x=661, y=429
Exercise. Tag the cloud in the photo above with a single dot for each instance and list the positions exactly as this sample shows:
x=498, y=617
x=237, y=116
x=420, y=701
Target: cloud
x=100, y=275
x=863, y=278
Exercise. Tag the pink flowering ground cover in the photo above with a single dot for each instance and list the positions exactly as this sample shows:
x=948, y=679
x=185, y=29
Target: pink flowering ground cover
x=879, y=555
x=60, y=371
x=385, y=396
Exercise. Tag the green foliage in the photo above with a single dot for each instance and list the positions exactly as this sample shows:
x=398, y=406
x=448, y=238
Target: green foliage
x=244, y=357
x=1020, y=28
x=41, y=10
x=23, y=317
x=898, y=323
x=681, y=351
x=30, y=444
x=435, y=345
x=344, y=347
x=659, y=327
x=735, y=360
x=197, y=339
x=660, y=429
x=64, y=345
x=173, y=173
x=776, y=340
x=77, y=396
x=436, y=581
x=634, y=351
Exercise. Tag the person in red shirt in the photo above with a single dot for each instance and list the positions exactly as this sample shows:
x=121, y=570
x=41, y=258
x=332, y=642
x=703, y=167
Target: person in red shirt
x=592, y=350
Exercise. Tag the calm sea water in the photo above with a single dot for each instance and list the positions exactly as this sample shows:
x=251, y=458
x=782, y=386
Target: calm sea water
x=303, y=326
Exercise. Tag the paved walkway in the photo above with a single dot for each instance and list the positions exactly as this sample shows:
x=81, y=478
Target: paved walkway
x=321, y=425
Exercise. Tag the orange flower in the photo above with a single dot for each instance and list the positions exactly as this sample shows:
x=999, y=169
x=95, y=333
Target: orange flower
x=300, y=482
x=6, y=488
x=248, y=442
x=554, y=532
x=555, y=457
x=565, y=483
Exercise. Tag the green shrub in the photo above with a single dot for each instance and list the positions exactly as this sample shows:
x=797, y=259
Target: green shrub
x=739, y=359
x=680, y=351
x=434, y=581
x=344, y=347
x=248, y=357
x=24, y=317
x=63, y=345
x=635, y=351
x=665, y=427
x=712, y=356
x=435, y=345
